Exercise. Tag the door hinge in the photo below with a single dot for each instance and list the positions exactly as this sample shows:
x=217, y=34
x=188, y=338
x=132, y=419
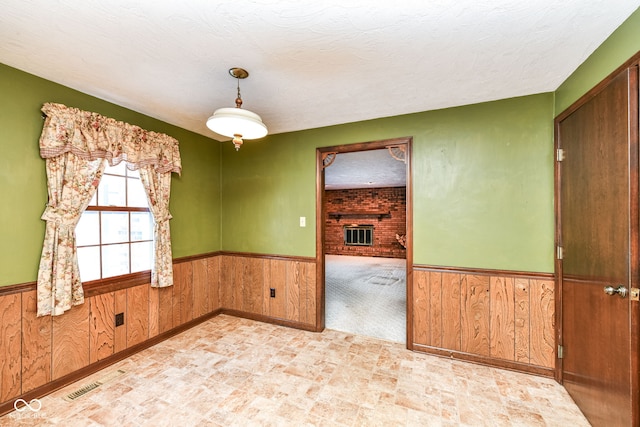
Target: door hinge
x=559, y=252
x=634, y=294
x=560, y=352
x=560, y=154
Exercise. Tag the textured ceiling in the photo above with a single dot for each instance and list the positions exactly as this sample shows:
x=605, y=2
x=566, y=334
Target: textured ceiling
x=365, y=169
x=312, y=63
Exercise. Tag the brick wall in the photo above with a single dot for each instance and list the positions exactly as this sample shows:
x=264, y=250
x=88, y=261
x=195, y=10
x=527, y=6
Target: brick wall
x=367, y=203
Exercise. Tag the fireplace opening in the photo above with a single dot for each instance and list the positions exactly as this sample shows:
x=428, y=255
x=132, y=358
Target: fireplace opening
x=358, y=235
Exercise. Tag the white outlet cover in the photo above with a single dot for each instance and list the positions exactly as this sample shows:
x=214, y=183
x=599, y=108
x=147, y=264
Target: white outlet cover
x=303, y=221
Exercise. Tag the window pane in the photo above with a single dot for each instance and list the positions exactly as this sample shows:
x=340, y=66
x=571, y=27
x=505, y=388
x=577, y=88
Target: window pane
x=141, y=226
x=88, y=229
x=89, y=263
x=93, y=200
x=111, y=191
x=136, y=194
x=115, y=260
x=141, y=256
x=115, y=227
x=133, y=174
x=119, y=169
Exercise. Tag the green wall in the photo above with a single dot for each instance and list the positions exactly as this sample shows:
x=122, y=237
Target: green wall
x=266, y=187
x=195, y=198
x=482, y=175
x=620, y=46
x=482, y=181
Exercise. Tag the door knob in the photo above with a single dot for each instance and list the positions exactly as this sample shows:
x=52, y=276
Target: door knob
x=620, y=290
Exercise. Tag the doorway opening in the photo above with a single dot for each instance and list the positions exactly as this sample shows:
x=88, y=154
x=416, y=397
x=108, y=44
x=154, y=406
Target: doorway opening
x=363, y=247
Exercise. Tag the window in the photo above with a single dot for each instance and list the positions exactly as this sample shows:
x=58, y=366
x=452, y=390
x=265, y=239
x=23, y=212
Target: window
x=115, y=233
x=359, y=235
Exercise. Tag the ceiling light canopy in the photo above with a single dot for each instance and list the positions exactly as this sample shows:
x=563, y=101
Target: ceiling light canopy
x=235, y=122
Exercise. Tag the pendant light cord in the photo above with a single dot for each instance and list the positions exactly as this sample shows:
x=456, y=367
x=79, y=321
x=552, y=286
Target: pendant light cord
x=238, y=99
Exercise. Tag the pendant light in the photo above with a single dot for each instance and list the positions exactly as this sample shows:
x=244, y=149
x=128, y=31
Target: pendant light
x=235, y=122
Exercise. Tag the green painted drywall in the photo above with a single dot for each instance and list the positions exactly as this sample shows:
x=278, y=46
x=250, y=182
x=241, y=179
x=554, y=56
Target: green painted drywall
x=621, y=45
x=195, y=198
x=483, y=186
x=266, y=187
x=482, y=182
x=482, y=175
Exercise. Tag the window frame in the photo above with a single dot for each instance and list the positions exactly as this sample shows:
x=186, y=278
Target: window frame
x=130, y=278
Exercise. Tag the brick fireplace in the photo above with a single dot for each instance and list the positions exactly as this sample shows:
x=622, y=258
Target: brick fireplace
x=384, y=210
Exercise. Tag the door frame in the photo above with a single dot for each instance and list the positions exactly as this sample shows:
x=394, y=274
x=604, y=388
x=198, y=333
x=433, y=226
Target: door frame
x=634, y=218
x=320, y=223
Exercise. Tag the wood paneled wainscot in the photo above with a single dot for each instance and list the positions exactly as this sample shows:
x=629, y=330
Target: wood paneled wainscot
x=247, y=282
x=498, y=318
x=41, y=354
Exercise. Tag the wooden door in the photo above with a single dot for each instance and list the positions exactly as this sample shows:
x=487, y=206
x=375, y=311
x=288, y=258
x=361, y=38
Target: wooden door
x=598, y=232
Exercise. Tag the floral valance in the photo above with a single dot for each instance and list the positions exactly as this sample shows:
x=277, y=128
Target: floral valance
x=91, y=136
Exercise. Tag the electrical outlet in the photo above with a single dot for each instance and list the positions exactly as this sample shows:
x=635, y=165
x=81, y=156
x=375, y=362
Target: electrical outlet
x=119, y=319
x=272, y=292
x=303, y=221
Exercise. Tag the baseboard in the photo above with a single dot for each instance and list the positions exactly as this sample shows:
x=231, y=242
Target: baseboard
x=54, y=385
x=485, y=360
x=272, y=320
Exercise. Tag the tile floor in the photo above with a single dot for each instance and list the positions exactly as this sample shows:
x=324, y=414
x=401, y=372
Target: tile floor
x=366, y=296
x=237, y=372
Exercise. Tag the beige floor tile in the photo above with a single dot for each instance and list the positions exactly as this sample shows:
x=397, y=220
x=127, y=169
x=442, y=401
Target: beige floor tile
x=237, y=372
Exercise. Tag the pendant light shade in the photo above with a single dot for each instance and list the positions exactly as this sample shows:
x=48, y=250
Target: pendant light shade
x=235, y=122
x=227, y=121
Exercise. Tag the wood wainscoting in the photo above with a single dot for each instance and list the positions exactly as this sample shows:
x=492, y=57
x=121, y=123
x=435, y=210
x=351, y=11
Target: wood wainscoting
x=502, y=319
x=499, y=318
x=41, y=354
x=250, y=279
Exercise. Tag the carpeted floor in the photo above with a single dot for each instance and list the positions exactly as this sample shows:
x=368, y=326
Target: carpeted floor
x=366, y=296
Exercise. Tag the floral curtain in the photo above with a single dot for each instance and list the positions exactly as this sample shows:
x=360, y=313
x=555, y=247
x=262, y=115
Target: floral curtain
x=158, y=188
x=72, y=183
x=74, y=144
